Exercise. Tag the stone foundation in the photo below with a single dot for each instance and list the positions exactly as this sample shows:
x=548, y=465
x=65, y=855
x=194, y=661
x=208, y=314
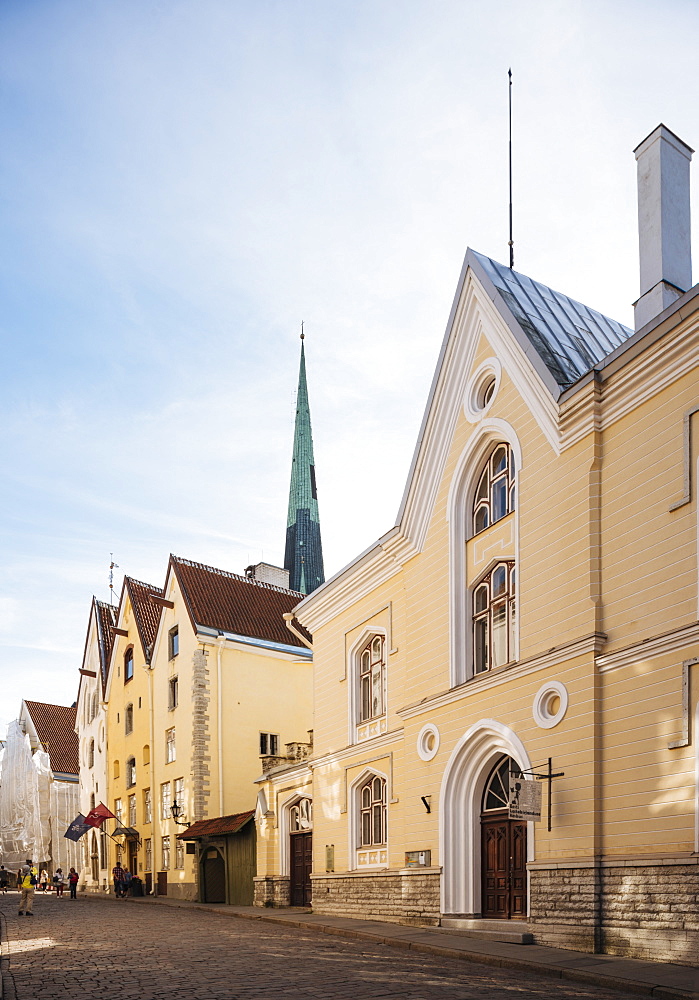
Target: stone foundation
x=272, y=890
x=408, y=896
x=648, y=911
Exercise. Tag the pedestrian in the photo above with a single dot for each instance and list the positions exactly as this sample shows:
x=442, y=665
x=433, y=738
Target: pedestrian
x=44, y=880
x=4, y=879
x=26, y=883
x=59, y=879
x=118, y=876
x=73, y=883
x=127, y=881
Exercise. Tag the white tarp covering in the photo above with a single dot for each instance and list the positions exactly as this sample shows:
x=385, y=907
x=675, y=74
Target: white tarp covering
x=35, y=809
x=20, y=813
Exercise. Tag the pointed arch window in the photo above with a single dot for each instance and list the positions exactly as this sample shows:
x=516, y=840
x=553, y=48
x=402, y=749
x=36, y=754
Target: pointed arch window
x=128, y=719
x=91, y=754
x=495, y=494
x=372, y=812
x=494, y=618
x=372, y=679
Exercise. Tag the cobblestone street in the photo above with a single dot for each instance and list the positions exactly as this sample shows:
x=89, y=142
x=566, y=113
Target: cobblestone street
x=106, y=949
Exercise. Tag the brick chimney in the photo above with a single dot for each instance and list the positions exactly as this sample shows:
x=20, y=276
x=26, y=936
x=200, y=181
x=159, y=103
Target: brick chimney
x=663, y=223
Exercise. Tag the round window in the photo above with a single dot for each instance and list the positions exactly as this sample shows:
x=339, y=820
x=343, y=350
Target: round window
x=427, y=742
x=550, y=704
x=481, y=389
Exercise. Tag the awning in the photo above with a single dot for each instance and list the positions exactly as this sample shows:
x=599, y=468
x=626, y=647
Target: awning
x=217, y=827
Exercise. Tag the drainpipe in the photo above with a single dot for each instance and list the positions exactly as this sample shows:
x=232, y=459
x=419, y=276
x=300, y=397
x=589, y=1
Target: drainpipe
x=154, y=799
x=219, y=723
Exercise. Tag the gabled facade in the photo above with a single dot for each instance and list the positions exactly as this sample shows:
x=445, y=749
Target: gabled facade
x=130, y=726
x=91, y=727
x=534, y=611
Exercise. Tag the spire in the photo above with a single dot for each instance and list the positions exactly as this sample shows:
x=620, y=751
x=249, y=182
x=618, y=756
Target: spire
x=304, y=553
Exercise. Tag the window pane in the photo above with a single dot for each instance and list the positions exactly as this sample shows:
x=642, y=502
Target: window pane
x=482, y=598
x=378, y=790
x=499, y=581
x=481, y=521
x=481, y=644
x=376, y=697
x=378, y=833
x=376, y=648
x=513, y=626
x=366, y=661
x=366, y=828
x=499, y=494
x=366, y=797
x=366, y=698
x=499, y=461
x=499, y=635
x=482, y=491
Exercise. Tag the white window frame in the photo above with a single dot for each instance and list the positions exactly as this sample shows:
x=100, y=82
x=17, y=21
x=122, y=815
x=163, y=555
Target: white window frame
x=488, y=433
x=165, y=813
x=358, y=730
x=369, y=858
x=170, y=745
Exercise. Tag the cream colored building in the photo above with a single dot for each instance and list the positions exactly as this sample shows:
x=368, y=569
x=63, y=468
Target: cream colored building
x=91, y=727
x=533, y=611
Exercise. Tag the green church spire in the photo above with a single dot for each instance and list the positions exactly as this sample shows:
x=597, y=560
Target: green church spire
x=304, y=553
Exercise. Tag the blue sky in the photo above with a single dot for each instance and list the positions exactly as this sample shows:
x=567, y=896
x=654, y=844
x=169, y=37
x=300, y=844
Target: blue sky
x=181, y=183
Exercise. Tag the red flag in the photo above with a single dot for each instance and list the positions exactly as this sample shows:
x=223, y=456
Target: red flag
x=98, y=815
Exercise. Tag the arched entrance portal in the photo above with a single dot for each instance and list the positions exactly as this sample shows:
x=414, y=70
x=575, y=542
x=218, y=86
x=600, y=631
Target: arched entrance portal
x=503, y=848
x=300, y=852
x=472, y=762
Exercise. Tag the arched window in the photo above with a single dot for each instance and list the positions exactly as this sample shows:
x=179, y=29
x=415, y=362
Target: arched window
x=130, y=772
x=301, y=816
x=91, y=754
x=372, y=812
x=495, y=494
x=92, y=800
x=372, y=679
x=496, y=794
x=93, y=707
x=128, y=664
x=116, y=768
x=128, y=719
x=494, y=618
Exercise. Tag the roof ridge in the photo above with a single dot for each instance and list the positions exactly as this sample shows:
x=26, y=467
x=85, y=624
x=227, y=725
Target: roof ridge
x=234, y=576
x=142, y=583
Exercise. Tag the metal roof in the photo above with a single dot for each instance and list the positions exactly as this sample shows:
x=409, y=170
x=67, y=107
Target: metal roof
x=569, y=337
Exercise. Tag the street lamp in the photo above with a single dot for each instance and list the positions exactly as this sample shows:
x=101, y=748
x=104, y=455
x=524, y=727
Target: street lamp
x=176, y=810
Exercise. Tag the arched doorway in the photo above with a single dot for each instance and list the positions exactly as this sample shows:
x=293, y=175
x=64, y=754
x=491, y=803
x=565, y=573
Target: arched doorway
x=503, y=848
x=214, y=876
x=471, y=763
x=300, y=852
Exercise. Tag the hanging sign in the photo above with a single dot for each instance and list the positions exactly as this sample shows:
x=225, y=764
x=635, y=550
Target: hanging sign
x=525, y=799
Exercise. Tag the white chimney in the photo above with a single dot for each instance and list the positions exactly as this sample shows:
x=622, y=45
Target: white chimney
x=663, y=222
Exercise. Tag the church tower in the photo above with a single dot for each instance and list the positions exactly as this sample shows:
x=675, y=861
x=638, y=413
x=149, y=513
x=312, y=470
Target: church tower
x=303, y=557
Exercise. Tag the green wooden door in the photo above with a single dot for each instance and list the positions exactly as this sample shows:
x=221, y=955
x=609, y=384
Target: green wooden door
x=242, y=865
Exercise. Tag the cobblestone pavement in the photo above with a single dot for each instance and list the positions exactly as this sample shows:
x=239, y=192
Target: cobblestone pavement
x=114, y=949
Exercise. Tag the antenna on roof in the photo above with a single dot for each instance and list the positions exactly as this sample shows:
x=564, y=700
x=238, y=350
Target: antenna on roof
x=302, y=333
x=511, y=243
x=112, y=567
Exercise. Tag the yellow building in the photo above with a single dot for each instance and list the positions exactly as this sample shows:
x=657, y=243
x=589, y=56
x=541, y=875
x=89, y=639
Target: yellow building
x=533, y=612
x=205, y=680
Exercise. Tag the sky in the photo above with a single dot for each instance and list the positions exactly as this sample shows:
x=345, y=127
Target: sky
x=183, y=182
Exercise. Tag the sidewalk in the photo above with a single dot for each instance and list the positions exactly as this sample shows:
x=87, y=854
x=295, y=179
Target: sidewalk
x=629, y=974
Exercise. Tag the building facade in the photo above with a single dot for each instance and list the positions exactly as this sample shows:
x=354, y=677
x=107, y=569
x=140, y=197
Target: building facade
x=532, y=613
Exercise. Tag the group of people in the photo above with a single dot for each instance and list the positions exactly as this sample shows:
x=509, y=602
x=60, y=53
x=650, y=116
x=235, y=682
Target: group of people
x=28, y=878
x=122, y=880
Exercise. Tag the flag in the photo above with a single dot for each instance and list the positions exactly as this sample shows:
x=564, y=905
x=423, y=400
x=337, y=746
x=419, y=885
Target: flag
x=98, y=815
x=77, y=828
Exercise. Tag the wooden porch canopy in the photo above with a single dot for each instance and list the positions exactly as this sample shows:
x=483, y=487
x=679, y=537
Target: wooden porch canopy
x=217, y=827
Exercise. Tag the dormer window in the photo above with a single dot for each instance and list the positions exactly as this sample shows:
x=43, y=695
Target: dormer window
x=495, y=493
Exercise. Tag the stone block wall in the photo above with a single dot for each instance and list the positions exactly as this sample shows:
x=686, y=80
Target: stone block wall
x=648, y=911
x=272, y=890
x=408, y=896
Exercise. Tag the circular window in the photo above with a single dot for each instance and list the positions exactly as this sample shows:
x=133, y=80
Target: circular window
x=482, y=388
x=427, y=742
x=550, y=704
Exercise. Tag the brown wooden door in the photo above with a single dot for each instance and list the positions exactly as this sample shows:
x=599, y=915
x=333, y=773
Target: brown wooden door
x=504, y=862
x=133, y=857
x=162, y=884
x=301, y=868
x=214, y=877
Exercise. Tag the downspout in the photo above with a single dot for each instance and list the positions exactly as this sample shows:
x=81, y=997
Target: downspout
x=288, y=618
x=153, y=797
x=219, y=723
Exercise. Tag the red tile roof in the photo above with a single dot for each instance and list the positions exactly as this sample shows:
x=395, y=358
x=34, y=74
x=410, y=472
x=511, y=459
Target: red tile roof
x=146, y=612
x=55, y=728
x=231, y=603
x=216, y=827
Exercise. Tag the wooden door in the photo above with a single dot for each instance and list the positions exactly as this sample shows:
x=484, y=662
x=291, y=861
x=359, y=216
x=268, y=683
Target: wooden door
x=133, y=857
x=504, y=864
x=214, y=882
x=162, y=884
x=301, y=868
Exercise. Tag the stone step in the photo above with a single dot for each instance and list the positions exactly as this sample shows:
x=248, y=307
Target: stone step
x=508, y=931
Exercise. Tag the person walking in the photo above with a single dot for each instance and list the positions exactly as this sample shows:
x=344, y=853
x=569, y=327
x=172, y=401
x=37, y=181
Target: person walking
x=73, y=883
x=118, y=876
x=4, y=879
x=26, y=882
x=59, y=879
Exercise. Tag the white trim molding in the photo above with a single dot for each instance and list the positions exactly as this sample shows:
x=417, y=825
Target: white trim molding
x=464, y=779
x=475, y=407
x=428, y=742
x=670, y=642
x=360, y=732
x=357, y=853
x=285, y=808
